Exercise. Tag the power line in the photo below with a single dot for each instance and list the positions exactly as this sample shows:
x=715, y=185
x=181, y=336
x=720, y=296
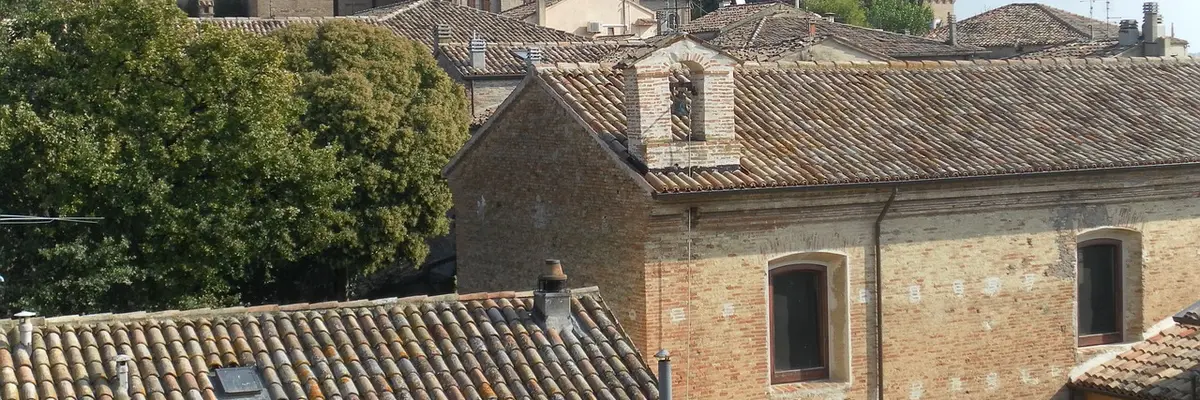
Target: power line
x=14, y=219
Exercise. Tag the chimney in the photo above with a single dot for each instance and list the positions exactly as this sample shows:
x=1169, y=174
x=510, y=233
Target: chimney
x=123, y=375
x=1151, y=24
x=796, y=3
x=1129, y=34
x=478, y=49
x=552, y=299
x=664, y=374
x=831, y=17
x=533, y=56
x=26, y=327
x=441, y=35
x=204, y=8
x=953, y=29
x=541, y=12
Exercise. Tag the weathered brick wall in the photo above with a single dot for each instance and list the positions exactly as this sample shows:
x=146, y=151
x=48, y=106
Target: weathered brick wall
x=1009, y=332
x=537, y=188
x=291, y=8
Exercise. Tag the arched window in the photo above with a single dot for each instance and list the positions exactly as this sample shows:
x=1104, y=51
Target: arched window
x=1099, y=279
x=799, y=323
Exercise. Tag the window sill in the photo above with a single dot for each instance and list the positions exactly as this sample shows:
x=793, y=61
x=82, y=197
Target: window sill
x=1085, y=352
x=820, y=389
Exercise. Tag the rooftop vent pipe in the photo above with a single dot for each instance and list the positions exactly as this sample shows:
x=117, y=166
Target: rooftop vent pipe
x=26, y=327
x=953, y=29
x=664, y=374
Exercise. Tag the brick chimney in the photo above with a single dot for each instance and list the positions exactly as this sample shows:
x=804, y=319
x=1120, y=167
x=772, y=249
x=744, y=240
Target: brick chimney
x=1129, y=34
x=552, y=299
x=478, y=49
x=686, y=80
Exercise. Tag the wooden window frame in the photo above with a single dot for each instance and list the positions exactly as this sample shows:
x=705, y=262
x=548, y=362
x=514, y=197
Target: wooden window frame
x=807, y=374
x=1119, y=271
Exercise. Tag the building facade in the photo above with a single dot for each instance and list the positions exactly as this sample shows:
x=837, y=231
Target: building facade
x=836, y=230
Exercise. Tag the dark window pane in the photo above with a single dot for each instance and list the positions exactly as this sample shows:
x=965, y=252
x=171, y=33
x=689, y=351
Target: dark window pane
x=1098, y=267
x=797, y=320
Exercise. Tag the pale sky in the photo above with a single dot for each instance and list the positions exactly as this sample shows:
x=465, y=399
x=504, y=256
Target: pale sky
x=1184, y=14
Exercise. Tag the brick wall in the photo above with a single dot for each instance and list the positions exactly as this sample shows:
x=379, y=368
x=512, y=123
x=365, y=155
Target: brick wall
x=291, y=8
x=1009, y=332
x=532, y=188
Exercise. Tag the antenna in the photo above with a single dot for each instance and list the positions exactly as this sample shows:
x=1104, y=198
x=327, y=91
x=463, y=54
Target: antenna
x=12, y=219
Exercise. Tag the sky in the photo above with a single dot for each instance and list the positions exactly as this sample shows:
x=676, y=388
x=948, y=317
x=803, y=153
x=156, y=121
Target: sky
x=1177, y=12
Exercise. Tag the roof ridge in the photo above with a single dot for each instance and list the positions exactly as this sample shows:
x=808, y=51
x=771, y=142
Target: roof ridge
x=946, y=64
x=109, y=317
x=401, y=9
x=1054, y=13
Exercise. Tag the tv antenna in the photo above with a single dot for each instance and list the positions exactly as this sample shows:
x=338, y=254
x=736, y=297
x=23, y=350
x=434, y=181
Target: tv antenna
x=14, y=219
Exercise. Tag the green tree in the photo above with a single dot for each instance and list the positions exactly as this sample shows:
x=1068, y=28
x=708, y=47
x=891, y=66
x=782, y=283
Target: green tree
x=847, y=11
x=396, y=118
x=181, y=137
x=913, y=17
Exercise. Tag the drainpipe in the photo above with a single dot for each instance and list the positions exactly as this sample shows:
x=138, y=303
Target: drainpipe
x=879, y=292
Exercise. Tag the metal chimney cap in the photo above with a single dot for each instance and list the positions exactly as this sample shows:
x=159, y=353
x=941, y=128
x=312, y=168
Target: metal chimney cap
x=554, y=271
x=663, y=355
x=26, y=314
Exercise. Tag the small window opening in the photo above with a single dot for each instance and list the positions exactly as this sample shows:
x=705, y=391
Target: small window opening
x=1099, y=281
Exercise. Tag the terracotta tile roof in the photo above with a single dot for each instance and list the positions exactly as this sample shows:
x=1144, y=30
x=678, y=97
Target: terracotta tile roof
x=1080, y=49
x=1159, y=368
x=725, y=16
x=823, y=123
x=483, y=346
x=776, y=30
x=1027, y=24
x=526, y=10
x=508, y=59
x=416, y=20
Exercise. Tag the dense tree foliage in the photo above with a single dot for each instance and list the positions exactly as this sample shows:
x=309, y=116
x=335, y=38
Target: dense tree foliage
x=396, y=119
x=220, y=171
x=845, y=11
x=901, y=16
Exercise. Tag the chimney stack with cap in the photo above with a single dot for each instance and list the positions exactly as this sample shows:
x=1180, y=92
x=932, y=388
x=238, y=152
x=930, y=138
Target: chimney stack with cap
x=123, y=375
x=953, y=23
x=441, y=35
x=26, y=327
x=1129, y=34
x=478, y=49
x=541, y=12
x=533, y=56
x=664, y=374
x=1151, y=23
x=552, y=299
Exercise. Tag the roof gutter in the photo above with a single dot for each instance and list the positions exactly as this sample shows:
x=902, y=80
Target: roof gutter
x=687, y=196
x=879, y=292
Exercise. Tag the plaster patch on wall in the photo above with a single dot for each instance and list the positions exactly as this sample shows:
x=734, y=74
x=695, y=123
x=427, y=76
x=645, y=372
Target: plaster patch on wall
x=727, y=310
x=1027, y=281
x=956, y=384
x=914, y=294
x=993, y=381
x=540, y=217
x=1028, y=378
x=863, y=296
x=991, y=286
x=481, y=207
x=677, y=315
x=916, y=390
x=959, y=288
x=987, y=325
x=1056, y=372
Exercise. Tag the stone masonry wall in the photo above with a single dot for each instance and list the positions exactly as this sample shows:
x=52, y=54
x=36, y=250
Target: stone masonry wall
x=979, y=290
x=537, y=188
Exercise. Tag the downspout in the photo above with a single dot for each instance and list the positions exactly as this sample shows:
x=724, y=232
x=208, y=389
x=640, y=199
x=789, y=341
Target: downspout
x=879, y=293
x=471, y=85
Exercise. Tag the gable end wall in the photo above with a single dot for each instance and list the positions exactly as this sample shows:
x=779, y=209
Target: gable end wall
x=538, y=186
